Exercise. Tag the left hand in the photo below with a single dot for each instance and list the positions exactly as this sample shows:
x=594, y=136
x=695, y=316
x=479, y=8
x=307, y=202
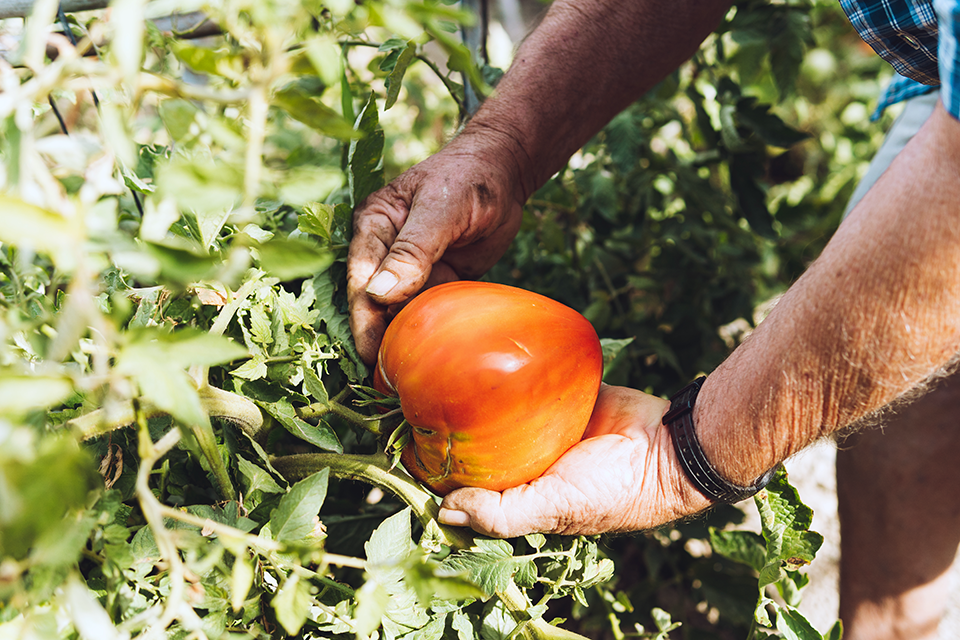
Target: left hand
x=622, y=476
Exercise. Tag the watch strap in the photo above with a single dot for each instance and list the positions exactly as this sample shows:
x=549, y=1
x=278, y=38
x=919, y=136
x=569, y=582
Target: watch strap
x=703, y=475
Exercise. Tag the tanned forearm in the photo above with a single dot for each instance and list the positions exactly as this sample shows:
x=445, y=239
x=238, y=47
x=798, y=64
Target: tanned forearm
x=585, y=62
x=875, y=315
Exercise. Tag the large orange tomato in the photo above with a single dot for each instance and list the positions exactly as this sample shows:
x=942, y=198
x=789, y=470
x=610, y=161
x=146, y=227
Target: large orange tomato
x=497, y=383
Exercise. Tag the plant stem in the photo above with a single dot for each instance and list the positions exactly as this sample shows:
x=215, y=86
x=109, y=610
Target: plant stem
x=375, y=470
x=216, y=403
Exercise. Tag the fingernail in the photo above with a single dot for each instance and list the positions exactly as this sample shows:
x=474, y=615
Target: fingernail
x=382, y=284
x=454, y=517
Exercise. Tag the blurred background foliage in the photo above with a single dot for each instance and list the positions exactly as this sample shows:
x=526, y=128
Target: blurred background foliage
x=186, y=188
x=707, y=198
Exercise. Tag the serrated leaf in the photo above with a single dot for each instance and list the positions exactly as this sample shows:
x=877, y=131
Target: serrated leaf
x=295, y=518
x=785, y=522
x=320, y=435
x=256, y=478
x=289, y=259
x=740, y=546
x=489, y=564
x=388, y=546
x=794, y=626
x=365, y=158
x=395, y=78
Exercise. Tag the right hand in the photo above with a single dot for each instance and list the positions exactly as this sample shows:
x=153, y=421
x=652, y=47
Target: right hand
x=622, y=476
x=450, y=217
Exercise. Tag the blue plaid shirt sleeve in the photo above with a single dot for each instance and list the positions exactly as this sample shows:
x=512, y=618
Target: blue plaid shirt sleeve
x=948, y=54
x=899, y=89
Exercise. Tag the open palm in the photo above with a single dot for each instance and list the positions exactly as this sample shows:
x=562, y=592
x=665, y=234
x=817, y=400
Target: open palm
x=622, y=476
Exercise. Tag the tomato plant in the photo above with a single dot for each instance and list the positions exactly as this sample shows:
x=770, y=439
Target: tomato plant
x=180, y=454
x=496, y=382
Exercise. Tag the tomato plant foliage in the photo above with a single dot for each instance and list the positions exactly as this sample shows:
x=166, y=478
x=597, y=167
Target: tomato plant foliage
x=185, y=448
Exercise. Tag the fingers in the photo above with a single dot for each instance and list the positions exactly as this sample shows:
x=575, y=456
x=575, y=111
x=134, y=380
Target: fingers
x=445, y=219
x=595, y=487
x=515, y=512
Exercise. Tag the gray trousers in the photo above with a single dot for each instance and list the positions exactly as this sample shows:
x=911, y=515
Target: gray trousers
x=915, y=112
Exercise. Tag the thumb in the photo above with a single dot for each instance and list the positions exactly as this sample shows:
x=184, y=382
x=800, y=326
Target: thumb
x=408, y=264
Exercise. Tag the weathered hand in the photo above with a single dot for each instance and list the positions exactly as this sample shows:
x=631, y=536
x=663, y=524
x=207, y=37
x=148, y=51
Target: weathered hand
x=623, y=476
x=450, y=217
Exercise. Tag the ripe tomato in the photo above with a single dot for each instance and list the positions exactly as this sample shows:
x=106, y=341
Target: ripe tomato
x=497, y=383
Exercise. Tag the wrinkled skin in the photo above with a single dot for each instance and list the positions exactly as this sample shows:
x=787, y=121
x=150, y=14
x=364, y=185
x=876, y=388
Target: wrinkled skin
x=623, y=476
x=425, y=228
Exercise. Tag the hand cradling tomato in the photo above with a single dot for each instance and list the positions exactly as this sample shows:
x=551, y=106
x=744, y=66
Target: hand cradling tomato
x=496, y=382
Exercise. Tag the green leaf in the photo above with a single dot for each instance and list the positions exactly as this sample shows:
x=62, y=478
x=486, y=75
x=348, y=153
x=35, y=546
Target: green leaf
x=431, y=581
x=292, y=603
x=785, y=521
x=256, y=478
x=611, y=348
x=744, y=172
x=740, y=546
x=794, y=626
x=201, y=183
x=372, y=604
x=178, y=116
x=313, y=113
x=216, y=62
x=313, y=386
x=20, y=395
x=40, y=482
x=32, y=228
x=320, y=435
x=388, y=546
x=180, y=265
x=768, y=126
x=395, y=79
x=241, y=579
x=295, y=518
x=389, y=551
x=489, y=564
x=836, y=632
x=289, y=259
x=302, y=185
x=365, y=158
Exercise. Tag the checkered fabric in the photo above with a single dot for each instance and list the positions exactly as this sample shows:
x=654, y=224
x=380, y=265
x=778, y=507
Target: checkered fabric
x=919, y=38
x=898, y=90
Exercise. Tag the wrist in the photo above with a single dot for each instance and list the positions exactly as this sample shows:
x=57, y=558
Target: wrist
x=700, y=470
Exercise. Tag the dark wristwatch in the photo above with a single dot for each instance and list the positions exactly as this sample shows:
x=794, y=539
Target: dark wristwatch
x=703, y=475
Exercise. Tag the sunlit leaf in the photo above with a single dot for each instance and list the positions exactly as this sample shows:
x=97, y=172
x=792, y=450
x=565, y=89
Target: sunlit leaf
x=295, y=518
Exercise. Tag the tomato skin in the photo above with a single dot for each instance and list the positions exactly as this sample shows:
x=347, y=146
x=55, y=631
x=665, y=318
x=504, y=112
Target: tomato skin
x=497, y=383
